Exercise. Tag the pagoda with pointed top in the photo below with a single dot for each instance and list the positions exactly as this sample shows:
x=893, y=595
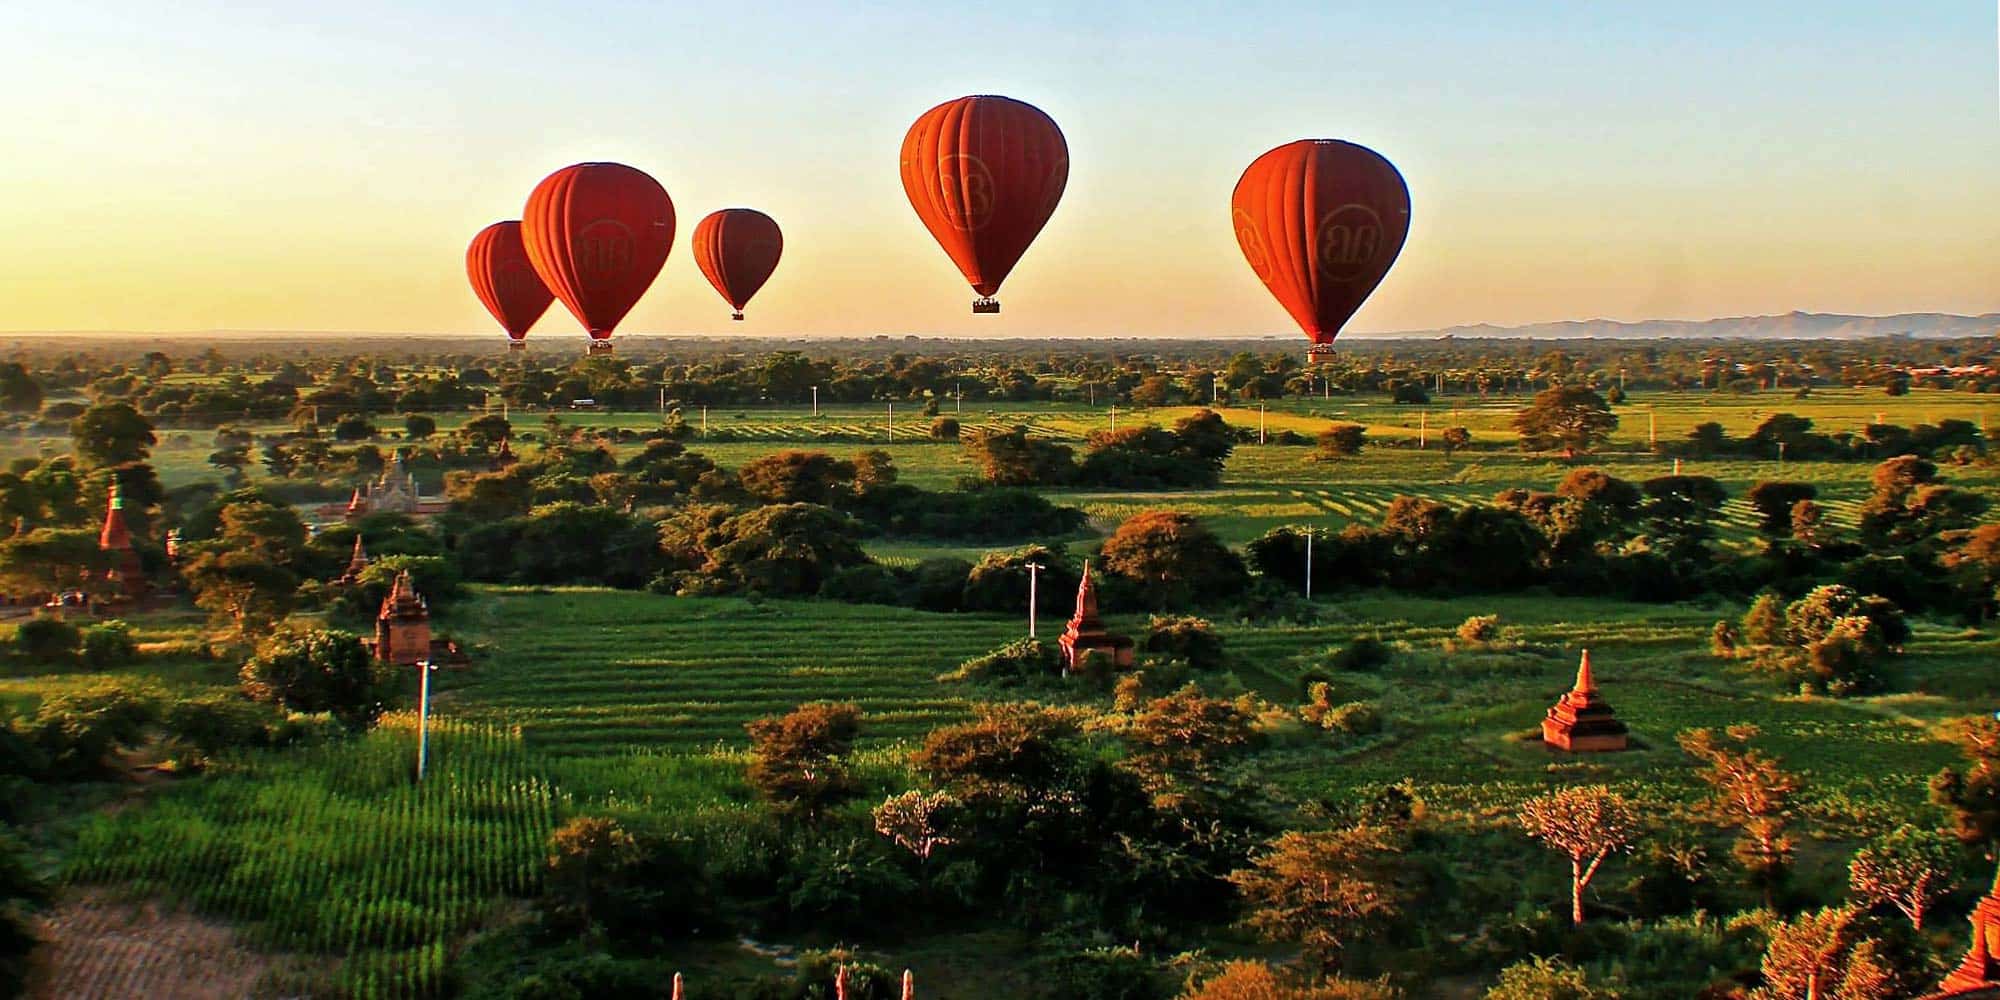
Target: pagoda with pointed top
x=1980, y=970
x=357, y=563
x=1582, y=721
x=115, y=540
x=1085, y=633
x=502, y=458
x=403, y=629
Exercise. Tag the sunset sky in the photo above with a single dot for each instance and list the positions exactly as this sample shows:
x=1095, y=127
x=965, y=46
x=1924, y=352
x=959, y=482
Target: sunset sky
x=204, y=165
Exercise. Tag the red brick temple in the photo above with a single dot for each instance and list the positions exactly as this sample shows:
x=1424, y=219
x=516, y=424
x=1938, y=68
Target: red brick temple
x=1582, y=721
x=357, y=563
x=116, y=541
x=1980, y=971
x=403, y=629
x=1085, y=633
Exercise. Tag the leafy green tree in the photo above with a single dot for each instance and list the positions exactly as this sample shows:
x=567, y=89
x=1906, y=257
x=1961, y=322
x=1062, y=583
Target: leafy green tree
x=800, y=760
x=1774, y=501
x=798, y=477
x=1752, y=791
x=1341, y=441
x=1541, y=978
x=78, y=731
x=588, y=856
x=1909, y=868
x=112, y=434
x=317, y=670
x=1455, y=438
x=1173, y=559
x=1824, y=955
x=1586, y=825
x=1573, y=418
x=50, y=561
x=1012, y=458
x=419, y=426
x=1322, y=890
x=19, y=392
x=1972, y=793
x=779, y=549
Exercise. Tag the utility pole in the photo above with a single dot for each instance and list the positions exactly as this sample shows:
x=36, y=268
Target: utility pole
x=1034, y=581
x=1423, y=427
x=958, y=399
x=891, y=423
x=1781, y=456
x=704, y=421
x=1652, y=428
x=424, y=669
x=1114, y=418
x=815, y=401
x=1260, y=421
x=1310, y=532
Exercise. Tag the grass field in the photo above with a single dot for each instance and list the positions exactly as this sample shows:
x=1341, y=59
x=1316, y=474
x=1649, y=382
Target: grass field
x=633, y=703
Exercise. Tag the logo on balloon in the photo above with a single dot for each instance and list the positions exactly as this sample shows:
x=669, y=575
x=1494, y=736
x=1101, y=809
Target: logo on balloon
x=1348, y=241
x=1252, y=243
x=967, y=176
x=604, y=251
x=515, y=279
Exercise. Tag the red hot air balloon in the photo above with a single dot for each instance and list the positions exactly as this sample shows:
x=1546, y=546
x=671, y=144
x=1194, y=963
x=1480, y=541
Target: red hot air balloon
x=505, y=281
x=737, y=249
x=1320, y=221
x=984, y=174
x=598, y=233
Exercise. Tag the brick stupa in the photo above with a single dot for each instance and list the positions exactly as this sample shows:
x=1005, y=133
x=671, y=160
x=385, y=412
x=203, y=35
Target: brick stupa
x=115, y=540
x=403, y=629
x=1980, y=970
x=1582, y=721
x=1085, y=633
x=357, y=563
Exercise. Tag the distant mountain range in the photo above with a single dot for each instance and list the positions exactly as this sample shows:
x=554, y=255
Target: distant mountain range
x=1790, y=326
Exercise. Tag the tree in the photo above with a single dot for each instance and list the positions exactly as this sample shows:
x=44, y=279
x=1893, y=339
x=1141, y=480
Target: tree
x=1823, y=955
x=586, y=855
x=1973, y=795
x=916, y=820
x=1571, y=417
x=317, y=670
x=21, y=893
x=1247, y=980
x=1321, y=890
x=1012, y=458
x=1908, y=868
x=1174, y=559
x=418, y=426
x=1774, y=502
x=1751, y=790
x=112, y=434
x=799, y=760
x=1153, y=390
x=1341, y=441
x=1455, y=438
x=485, y=432
x=797, y=477
x=1586, y=825
x=19, y=392
x=1809, y=523
x=944, y=429
x=779, y=549
x=48, y=561
x=1546, y=979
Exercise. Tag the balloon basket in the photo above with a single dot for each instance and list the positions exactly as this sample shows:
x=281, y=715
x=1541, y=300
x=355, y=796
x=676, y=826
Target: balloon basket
x=516, y=345
x=736, y=316
x=985, y=306
x=598, y=347
x=1319, y=354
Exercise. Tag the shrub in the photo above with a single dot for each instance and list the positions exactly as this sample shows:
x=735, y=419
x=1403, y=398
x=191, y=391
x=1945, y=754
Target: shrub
x=78, y=730
x=1764, y=623
x=109, y=644
x=1365, y=652
x=1017, y=661
x=944, y=429
x=1185, y=638
x=317, y=670
x=1100, y=974
x=47, y=640
x=207, y=725
x=1340, y=441
x=1479, y=630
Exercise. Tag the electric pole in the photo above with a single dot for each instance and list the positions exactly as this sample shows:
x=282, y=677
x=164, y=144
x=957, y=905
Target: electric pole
x=1034, y=581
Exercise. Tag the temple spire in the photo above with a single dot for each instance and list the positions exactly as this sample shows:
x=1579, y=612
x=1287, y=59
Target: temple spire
x=1585, y=683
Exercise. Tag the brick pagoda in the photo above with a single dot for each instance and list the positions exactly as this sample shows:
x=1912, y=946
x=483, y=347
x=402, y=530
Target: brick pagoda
x=1085, y=633
x=357, y=563
x=116, y=541
x=1980, y=970
x=403, y=629
x=1582, y=721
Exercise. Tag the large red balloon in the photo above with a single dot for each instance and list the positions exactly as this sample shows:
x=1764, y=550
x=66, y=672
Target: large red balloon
x=504, y=280
x=598, y=233
x=984, y=174
x=737, y=249
x=1320, y=221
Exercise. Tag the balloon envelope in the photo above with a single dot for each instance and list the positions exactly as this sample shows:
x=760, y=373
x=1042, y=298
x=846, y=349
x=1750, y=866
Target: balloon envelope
x=598, y=234
x=1320, y=221
x=984, y=174
x=737, y=249
x=497, y=264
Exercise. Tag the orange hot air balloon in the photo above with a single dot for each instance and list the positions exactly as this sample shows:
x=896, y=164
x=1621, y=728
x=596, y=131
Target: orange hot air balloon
x=598, y=234
x=737, y=249
x=1320, y=221
x=984, y=174
x=506, y=283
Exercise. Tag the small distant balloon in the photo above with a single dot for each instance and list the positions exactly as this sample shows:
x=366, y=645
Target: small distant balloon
x=985, y=174
x=1321, y=221
x=505, y=281
x=737, y=249
x=598, y=234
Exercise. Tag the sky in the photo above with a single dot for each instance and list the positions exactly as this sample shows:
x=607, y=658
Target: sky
x=203, y=165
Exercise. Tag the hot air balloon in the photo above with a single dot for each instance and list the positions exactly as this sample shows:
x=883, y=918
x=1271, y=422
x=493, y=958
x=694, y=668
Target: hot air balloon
x=598, y=233
x=737, y=249
x=1320, y=221
x=505, y=281
x=984, y=174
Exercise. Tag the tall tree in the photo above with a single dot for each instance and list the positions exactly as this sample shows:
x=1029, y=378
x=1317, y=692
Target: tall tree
x=1586, y=825
x=1573, y=418
x=800, y=760
x=1908, y=868
x=1321, y=890
x=1751, y=790
x=112, y=434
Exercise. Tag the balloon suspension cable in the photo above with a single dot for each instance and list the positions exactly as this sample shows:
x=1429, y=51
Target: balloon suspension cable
x=737, y=316
x=985, y=305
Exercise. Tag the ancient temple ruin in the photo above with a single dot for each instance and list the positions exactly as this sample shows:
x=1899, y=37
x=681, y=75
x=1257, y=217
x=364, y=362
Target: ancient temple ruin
x=1582, y=721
